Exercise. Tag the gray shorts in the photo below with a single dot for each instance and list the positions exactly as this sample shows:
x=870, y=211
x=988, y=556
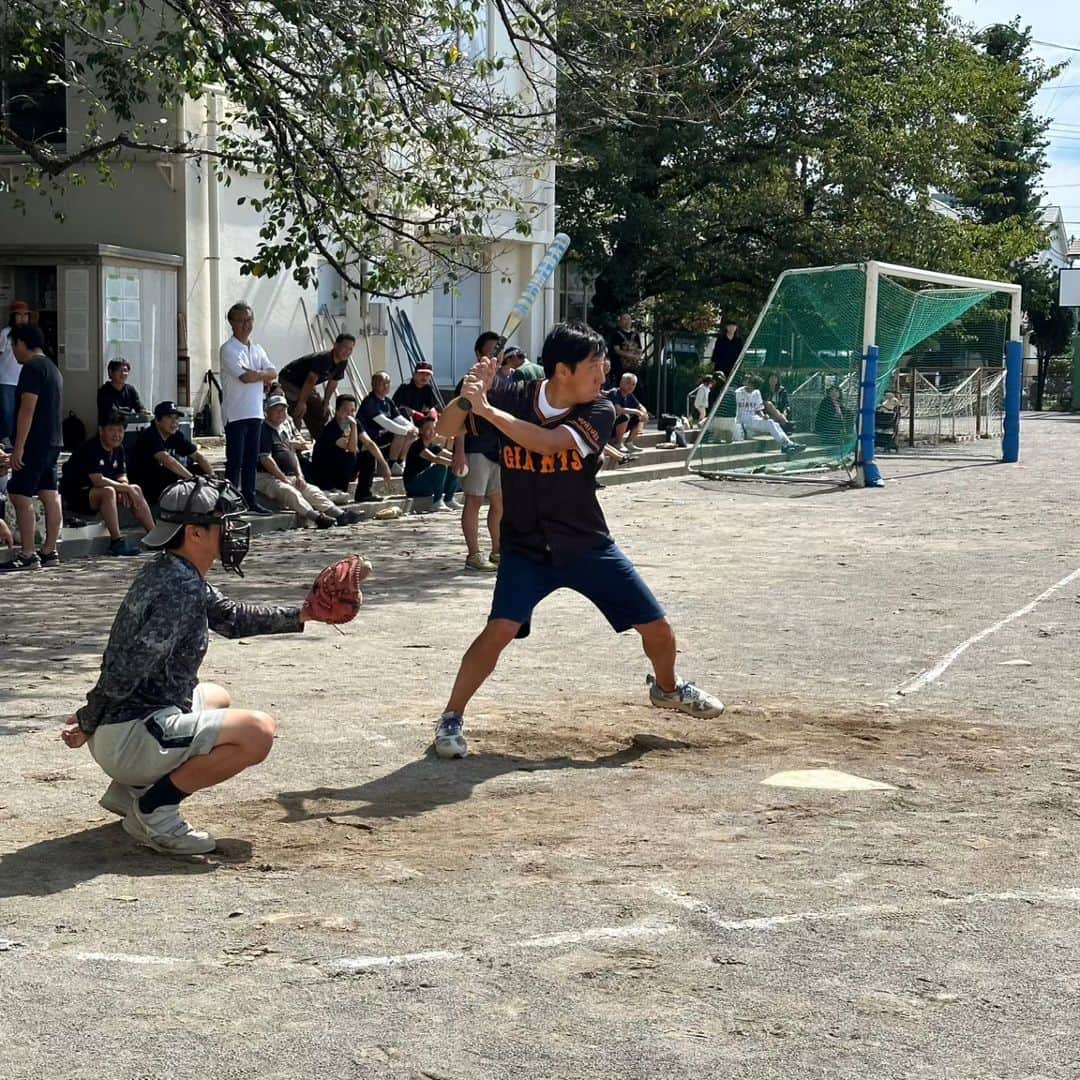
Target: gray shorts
x=139, y=752
x=484, y=478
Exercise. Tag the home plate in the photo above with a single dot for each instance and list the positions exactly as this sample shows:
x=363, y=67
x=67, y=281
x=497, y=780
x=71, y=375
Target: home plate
x=826, y=779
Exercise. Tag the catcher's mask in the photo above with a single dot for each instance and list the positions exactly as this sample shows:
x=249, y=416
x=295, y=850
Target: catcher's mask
x=204, y=502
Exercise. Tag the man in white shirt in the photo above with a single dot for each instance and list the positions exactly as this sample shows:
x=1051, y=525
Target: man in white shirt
x=246, y=371
x=750, y=413
x=9, y=371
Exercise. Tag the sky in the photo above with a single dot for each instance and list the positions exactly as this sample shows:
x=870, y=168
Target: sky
x=1056, y=25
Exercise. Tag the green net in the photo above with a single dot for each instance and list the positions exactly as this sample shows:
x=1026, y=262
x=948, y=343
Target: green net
x=807, y=353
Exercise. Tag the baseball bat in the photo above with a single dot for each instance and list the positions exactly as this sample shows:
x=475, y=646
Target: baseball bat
x=524, y=303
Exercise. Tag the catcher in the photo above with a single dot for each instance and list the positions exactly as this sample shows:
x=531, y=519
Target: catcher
x=159, y=733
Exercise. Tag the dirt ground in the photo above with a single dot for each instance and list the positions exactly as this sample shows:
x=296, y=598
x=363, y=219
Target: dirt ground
x=601, y=889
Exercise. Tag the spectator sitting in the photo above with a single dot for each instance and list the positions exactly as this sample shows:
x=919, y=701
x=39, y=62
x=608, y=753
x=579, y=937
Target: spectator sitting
x=94, y=481
x=833, y=420
x=162, y=454
x=701, y=398
x=725, y=423
x=517, y=367
x=427, y=469
x=118, y=395
x=630, y=414
x=336, y=457
x=37, y=448
x=5, y=533
x=281, y=479
x=393, y=434
x=301, y=379
x=418, y=394
x=775, y=396
x=890, y=403
x=750, y=413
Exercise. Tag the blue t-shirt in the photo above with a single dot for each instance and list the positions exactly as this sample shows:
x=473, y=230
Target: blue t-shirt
x=39, y=375
x=371, y=407
x=621, y=400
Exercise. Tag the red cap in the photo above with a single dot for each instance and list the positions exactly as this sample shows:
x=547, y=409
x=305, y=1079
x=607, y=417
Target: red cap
x=19, y=306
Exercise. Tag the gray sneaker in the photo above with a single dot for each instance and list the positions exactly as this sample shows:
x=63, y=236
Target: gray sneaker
x=166, y=831
x=118, y=798
x=686, y=697
x=449, y=740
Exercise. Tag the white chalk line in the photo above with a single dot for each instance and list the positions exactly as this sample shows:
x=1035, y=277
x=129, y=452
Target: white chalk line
x=925, y=678
x=351, y=965
x=769, y=922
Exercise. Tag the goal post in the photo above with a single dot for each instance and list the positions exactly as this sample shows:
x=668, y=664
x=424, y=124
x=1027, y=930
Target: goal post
x=831, y=341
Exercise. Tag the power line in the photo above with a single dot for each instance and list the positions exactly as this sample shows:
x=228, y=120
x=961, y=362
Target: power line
x=1056, y=45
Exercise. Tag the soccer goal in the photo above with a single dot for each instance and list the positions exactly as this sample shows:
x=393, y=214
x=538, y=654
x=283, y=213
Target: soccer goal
x=843, y=357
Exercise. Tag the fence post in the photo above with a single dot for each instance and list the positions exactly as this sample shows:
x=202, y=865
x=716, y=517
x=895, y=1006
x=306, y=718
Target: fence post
x=978, y=404
x=867, y=473
x=1014, y=368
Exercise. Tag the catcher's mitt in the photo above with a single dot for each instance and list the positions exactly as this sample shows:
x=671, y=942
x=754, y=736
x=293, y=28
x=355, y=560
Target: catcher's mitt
x=335, y=597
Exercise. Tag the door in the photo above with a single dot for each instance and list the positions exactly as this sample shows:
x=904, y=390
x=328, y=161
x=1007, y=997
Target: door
x=457, y=322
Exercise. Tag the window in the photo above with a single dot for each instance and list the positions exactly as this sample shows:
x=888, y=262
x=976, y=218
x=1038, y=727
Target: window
x=123, y=309
x=575, y=293
x=32, y=102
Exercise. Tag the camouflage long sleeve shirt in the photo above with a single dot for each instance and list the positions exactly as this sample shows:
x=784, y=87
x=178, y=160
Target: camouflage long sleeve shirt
x=159, y=638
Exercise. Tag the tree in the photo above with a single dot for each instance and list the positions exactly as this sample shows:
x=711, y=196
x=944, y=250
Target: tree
x=1052, y=326
x=385, y=134
x=814, y=134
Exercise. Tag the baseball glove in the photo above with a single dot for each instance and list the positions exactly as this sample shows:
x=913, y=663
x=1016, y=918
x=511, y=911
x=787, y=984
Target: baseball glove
x=335, y=597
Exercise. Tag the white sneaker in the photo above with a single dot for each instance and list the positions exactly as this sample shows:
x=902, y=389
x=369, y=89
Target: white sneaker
x=449, y=738
x=118, y=798
x=439, y=504
x=686, y=697
x=633, y=447
x=166, y=831
x=397, y=469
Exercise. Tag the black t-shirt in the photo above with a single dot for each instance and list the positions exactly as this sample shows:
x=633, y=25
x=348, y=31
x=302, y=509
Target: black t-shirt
x=109, y=400
x=726, y=352
x=621, y=400
x=620, y=339
x=150, y=474
x=326, y=442
x=88, y=460
x=323, y=364
x=550, y=509
x=272, y=442
x=418, y=398
x=480, y=436
x=415, y=462
x=371, y=407
x=39, y=375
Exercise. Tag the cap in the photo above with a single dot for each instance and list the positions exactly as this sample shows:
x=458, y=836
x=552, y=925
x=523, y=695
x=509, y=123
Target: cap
x=166, y=408
x=19, y=306
x=192, y=502
x=424, y=365
x=274, y=399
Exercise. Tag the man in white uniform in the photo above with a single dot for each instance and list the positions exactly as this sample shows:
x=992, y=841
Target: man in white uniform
x=246, y=371
x=750, y=413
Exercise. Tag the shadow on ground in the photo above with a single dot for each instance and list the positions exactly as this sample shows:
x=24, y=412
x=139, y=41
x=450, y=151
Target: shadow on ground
x=428, y=783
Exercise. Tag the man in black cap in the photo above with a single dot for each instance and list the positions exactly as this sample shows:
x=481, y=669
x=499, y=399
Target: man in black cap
x=159, y=454
x=159, y=733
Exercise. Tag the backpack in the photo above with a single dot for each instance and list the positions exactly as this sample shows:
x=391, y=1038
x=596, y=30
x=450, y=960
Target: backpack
x=74, y=432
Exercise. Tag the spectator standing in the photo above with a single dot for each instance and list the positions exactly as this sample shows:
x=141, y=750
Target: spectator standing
x=750, y=413
x=726, y=351
x=162, y=454
x=625, y=352
x=418, y=394
x=118, y=395
x=38, y=439
x=392, y=434
x=18, y=315
x=630, y=414
x=280, y=477
x=701, y=398
x=427, y=469
x=476, y=461
x=302, y=379
x=94, y=481
x=245, y=372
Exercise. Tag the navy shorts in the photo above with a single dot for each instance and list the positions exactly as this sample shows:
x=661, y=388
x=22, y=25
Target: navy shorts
x=35, y=476
x=605, y=576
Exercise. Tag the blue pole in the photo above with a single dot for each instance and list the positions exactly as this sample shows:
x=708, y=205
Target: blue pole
x=871, y=476
x=1014, y=368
